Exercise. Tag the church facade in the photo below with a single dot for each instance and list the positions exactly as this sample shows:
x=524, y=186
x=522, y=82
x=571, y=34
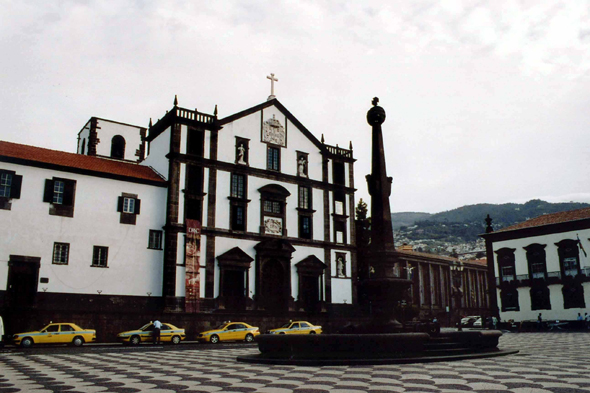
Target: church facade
x=193, y=214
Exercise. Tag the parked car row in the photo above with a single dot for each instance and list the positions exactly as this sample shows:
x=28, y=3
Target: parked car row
x=70, y=333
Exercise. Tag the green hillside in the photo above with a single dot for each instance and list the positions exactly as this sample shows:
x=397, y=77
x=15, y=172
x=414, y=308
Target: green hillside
x=464, y=224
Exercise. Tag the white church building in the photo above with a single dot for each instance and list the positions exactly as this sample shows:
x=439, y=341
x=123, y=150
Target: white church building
x=248, y=213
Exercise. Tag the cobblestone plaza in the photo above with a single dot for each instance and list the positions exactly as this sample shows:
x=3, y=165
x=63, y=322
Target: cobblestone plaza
x=547, y=362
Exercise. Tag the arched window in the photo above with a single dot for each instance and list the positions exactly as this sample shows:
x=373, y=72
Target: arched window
x=118, y=147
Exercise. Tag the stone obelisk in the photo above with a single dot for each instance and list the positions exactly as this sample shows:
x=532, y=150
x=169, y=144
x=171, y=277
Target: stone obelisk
x=384, y=286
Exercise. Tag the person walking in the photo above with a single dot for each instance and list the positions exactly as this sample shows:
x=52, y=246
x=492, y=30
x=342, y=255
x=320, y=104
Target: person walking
x=156, y=331
x=539, y=322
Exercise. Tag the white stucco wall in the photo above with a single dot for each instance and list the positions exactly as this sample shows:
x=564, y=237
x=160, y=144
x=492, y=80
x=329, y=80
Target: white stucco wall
x=83, y=139
x=557, y=311
x=29, y=230
x=158, y=148
x=106, y=130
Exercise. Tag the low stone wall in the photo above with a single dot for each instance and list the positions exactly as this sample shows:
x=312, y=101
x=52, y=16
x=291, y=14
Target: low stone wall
x=341, y=345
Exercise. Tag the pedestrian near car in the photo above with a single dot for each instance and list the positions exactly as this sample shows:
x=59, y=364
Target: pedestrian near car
x=156, y=332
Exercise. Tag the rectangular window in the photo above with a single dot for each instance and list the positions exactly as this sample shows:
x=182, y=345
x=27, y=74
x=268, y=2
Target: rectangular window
x=238, y=219
x=304, y=198
x=129, y=205
x=100, y=256
x=538, y=270
x=507, y=273
x=5, y=184
x=238, y=186
x=339, y=230
x=273, y=158
x=10, y=185
x=58, y=192
x=272, y=207
x=570, y=266
x=155, y=240
x=305, y=227
x=61, y=253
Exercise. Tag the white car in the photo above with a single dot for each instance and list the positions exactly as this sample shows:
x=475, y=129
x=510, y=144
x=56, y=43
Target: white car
x=468, y=321
x=478, y=323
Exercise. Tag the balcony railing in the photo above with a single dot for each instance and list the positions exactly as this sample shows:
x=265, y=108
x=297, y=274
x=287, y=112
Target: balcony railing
x=194, y=115
x=338, y=151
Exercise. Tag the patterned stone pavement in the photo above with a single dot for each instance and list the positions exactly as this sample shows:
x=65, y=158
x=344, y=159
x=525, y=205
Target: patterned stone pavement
x=547, y=362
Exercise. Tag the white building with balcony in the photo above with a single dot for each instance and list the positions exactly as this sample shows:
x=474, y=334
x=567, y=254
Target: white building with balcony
x=541, y=266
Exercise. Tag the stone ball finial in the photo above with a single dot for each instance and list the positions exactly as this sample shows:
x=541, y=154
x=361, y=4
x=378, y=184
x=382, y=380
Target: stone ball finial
x=376, y=115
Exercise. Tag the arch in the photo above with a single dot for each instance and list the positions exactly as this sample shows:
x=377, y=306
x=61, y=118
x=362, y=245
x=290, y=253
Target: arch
x=118, y=147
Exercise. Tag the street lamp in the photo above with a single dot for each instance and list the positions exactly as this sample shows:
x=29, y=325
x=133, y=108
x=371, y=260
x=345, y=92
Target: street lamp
x=456, y=269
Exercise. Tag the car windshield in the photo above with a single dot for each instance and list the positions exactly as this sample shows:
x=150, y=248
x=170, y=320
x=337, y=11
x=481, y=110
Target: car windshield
x=146, y=326
x=222, y=326
x=285, y=325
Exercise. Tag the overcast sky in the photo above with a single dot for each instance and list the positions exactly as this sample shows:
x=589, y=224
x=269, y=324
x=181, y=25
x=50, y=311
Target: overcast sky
x=486, y=101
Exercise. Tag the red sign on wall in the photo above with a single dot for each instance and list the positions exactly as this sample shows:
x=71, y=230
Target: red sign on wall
x=192, y=263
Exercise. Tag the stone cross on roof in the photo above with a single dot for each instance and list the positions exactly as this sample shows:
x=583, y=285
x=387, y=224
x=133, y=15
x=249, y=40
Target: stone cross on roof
x=272, y=86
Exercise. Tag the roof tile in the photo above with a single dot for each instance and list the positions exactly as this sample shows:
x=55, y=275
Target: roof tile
x=79, y=161
x=553, y=218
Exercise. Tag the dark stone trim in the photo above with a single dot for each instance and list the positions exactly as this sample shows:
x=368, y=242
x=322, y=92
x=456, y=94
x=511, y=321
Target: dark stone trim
x=172, y=225
x=87, y=172
x=171, y=118
x=260, y=173
x=255, y=236
x=328, y=275
x=211, y=210
x=93, y=137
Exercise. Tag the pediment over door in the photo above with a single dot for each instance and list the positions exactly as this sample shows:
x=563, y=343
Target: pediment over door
x=236, y=258
x=311, y=265
x=275, y=247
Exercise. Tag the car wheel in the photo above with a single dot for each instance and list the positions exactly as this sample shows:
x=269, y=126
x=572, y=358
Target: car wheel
x=27, y=342
x=78, y=341
x=175, y=340
x=249, y=338
x=135, y=340
x=312, y=332
x=214, y=339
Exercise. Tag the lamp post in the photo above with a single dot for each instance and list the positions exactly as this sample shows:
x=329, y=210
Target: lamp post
x=456, y=269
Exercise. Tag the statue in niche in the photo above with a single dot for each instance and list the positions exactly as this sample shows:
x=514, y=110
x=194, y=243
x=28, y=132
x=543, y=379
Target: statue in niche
x=302, y=166
x=340, y=267
x=241, y=154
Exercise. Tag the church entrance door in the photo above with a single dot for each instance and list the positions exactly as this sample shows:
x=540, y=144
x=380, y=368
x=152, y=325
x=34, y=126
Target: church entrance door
x=273, y=286
x=234, y=289
x=310, y=292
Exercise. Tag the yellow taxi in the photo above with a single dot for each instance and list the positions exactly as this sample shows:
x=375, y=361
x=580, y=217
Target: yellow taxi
x=168, y=333
x=56, y=333
x=297, y=327
x=229, y=331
